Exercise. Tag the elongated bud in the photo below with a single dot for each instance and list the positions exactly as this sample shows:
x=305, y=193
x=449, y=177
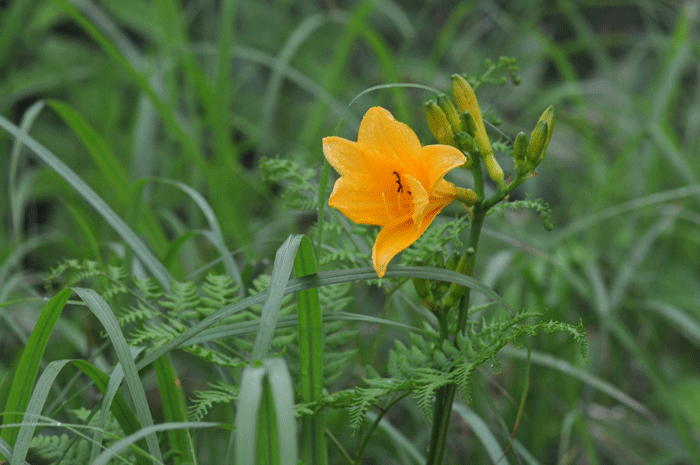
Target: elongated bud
x=467, y=196
x=422, y=286
x=537, y=141
x=445, y=103
x=466, y=101
x=520, y=146
x=547, y=116
x=438, y=123
x=492, y=167
x=468, y=123
x=452, y=261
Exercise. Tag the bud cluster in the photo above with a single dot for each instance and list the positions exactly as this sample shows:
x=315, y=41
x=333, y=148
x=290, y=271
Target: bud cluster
x=438, y=295
x=463, y=127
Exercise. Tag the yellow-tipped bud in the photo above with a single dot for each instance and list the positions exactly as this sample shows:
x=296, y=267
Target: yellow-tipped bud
x=492, y=167
x=520, y=146
x=467, y=196
x=438, y=123
x=466, y=101
x=445, y=103
x=548, y=116
x=537, y=140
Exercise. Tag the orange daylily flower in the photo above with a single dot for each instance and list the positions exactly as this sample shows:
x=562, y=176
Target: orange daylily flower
x=387, y=179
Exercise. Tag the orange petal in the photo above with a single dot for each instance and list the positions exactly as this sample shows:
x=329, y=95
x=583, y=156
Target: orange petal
x=360, y=200
x=344, y=155
x=397, y=237
x=389, y=141
x=438, y=160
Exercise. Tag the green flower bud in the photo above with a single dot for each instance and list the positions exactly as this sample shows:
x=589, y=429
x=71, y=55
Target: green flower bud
x=466, y=143
x=438, y=123
x=452, y=261
x=466, y=101
x=445, y=103
x=468, y=123
x=537, y=141
x=520, y=146
x=548, y=116
x=422, y=286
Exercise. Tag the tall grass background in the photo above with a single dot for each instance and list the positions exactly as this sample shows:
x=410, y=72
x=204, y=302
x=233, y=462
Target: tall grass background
x=133, y=134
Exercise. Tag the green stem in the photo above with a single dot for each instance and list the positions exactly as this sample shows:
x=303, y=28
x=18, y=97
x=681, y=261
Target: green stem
x=445, y=395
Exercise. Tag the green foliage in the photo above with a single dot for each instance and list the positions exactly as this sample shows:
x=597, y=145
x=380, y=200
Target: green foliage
x=62, y=449
x=539, y=205
x=428, y=364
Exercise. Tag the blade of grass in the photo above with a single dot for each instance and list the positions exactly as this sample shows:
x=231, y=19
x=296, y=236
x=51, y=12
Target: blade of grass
x=217, y=235
x=139, y=248
x=247, y=415
x=16, y=211
x=482, y=431
x=284, y=261
x=116, y=448
x=282, y=393
x=175, y=410
x=314, y=449
x=28, y=366
x=107, y=164
x=104, y=314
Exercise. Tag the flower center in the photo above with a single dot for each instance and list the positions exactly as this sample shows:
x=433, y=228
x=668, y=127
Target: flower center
x=404, y=196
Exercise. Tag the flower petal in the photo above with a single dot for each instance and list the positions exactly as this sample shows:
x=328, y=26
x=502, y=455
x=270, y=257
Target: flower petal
x=389, y=141
x=344, y=155
x=360, y=200
x=397, y=237
x=438, y=160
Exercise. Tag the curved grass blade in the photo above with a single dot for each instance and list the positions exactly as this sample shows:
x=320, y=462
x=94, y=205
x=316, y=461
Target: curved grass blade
x=109, y=322
x=314, y=450
x=28, y=366
x=174, y=409
x=114, y=450
x=284, y=260
x=265, y=424
x=482, y=431
x=217, y=237
x=139, y=248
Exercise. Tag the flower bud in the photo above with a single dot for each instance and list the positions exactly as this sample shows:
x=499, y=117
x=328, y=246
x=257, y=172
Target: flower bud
x=422, y=286
x=438, y=123
x=547, y=116
x=492, y=167
x=466, y=143
x=468, y=123
x=445, y=103
x=537, y=141
x=466, y=101
x=452, y=261
x=520, y=146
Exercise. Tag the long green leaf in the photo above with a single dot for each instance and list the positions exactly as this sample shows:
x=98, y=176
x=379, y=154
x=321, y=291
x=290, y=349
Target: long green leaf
x=282, y=392
x=139, y=248
x=106, y=317
x=30, y=360
x=249, y=400
x=113, y=450
x=174, y=408
x=284, y=261
x=110, y=169
x=314, y=449
x=36, y=404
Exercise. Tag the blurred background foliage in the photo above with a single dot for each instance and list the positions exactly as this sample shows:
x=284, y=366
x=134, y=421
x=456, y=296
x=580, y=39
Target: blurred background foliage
x=201, y=91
